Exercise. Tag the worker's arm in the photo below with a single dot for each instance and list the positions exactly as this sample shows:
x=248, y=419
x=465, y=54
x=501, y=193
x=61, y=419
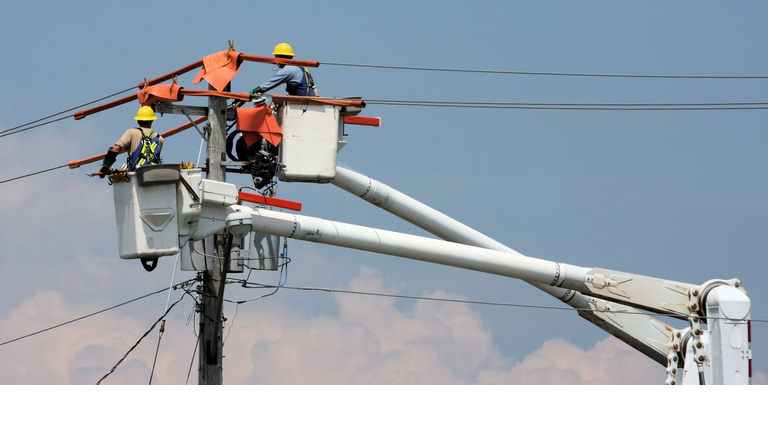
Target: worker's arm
x=282, y=76
x=124, y=143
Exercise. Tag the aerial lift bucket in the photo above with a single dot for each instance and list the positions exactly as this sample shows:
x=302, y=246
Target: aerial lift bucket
x=312, y=133
x=145, y=212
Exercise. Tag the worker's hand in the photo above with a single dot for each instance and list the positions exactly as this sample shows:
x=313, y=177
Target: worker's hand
x=256, y=93
x=105, y=171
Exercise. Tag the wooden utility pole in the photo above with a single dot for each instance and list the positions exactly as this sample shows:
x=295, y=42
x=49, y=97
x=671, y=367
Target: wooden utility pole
x=210, y=348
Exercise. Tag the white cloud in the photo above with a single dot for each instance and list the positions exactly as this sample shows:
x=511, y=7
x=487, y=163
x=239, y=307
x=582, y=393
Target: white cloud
x=369, y=341
x=373, y=342
x=84, y=351
x=759, y=378
x=561, y=362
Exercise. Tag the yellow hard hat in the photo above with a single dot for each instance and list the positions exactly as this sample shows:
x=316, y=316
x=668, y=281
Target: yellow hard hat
x=145, y=114
x=283, y=49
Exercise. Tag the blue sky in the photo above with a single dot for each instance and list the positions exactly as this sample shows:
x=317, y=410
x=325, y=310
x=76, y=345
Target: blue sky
x=672, y=194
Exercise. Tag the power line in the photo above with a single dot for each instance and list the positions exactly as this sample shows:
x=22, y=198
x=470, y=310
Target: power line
x=4, y=133
x=157, y=350
x=587, y=107
x=549, y=73
x=489, y=303
x=180, y=285
x=189, y=372
x=574, y=104
x=36, y=173
x=32, y=127
x=140, y=339
x=549, y=106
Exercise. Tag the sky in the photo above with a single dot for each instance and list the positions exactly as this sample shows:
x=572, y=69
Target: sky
x=680, y=195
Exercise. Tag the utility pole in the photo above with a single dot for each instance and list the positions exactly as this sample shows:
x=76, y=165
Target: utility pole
x=210, y=343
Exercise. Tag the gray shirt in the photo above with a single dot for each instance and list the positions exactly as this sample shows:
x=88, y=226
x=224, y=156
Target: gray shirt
x=286, y=75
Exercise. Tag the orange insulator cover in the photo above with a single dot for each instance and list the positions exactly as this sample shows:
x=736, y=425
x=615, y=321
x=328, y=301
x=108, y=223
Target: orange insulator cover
x=228, y=95
x=322, y=101
x=219, y=69
x=77, y=163
x=258, y=122
x=160, y=93
x=275, y=60
x=82, y=114
x=177, y=72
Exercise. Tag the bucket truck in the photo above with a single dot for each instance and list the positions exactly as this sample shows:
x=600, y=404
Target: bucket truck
x=161, y=209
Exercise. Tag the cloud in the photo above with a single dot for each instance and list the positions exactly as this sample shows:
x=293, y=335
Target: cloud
x=84, y=351
x=759, y=378
x=370, y=340
x=74, y=354
x=558, y=361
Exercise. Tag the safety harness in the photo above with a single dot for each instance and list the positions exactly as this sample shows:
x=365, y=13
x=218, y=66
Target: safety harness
x=148, y=151
x=310, y=82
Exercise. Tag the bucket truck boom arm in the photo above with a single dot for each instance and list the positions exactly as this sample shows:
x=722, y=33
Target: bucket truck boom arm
x=642, y=332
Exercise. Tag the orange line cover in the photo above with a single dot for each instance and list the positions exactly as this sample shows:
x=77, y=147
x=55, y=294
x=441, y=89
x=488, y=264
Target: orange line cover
x=275, y=60
x=219, y=69
x=160, y=93
x=258, y=122
x=82, y=114
x=238, y=96
x=77, y=163
x=322, y=101
x=178, y=72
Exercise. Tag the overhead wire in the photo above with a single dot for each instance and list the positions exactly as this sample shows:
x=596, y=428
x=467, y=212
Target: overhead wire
x=488, y=105
x=162, y=326
x=157, y=350
x=563, y=308
x=5, y=132
x=549, y=73
x=18, y=129
x=189, y=372
x=35, y=126
x=33, y=174
x=570, y=106
x=696, y=104
x=237, y=309
x=139, y=341
x=93, y=314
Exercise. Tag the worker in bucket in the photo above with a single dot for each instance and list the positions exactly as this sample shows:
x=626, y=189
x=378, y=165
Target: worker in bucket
x=297, y=80
x=142, y=144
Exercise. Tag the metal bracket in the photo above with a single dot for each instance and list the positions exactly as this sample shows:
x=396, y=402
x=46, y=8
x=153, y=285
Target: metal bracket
x=698, y=346
x=169, y=108
x=673, y=358
x=196, y=128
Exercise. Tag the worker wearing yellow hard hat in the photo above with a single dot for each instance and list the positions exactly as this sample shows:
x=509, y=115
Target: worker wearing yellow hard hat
x=297, y=80
x=145, y=114
x=283, y=49
x=142, y=144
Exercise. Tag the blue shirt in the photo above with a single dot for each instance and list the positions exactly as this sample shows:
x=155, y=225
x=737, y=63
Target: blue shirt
x=294, y=80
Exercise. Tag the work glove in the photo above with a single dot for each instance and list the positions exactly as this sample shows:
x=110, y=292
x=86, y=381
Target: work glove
x=105, y=171
x=256, y=93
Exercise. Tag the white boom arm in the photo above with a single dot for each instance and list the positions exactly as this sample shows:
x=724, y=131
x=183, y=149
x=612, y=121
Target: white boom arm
x=644, y=333
x=658, y=295
x=160, y=209
x=653, y=294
